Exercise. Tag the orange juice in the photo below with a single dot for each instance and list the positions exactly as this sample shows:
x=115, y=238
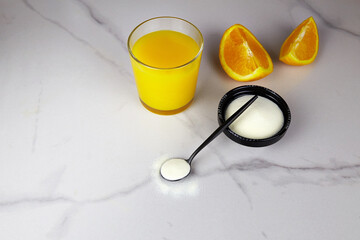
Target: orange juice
x=166, y=69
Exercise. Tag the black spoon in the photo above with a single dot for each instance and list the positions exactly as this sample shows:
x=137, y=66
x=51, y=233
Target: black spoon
x=175, y=169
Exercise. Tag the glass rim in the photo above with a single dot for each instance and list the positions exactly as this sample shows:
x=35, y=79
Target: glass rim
x=180, y=66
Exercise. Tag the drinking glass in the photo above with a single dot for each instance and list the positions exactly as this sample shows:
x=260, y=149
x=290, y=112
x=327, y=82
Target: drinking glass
x=170, y=90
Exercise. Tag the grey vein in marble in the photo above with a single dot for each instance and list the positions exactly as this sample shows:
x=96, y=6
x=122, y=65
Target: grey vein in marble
x=328, y=23
x=238, y=183
x=64, y=199
x=121, y=70
x=36, y=125
x=349, y=173
x=60, y=228
x=258, y=164
x=100, y=20
x=341, y=173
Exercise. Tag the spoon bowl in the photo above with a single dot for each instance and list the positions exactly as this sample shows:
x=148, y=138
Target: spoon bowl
x=175, y=169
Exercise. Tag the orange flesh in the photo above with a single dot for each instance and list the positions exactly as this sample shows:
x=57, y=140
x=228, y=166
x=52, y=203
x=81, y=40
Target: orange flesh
x=302, y=44
x=240, y=49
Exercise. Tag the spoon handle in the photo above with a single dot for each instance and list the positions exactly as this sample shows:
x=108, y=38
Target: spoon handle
x=222, y=127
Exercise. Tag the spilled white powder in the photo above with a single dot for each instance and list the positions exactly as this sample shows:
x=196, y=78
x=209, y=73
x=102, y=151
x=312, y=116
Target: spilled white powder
x=262, y=119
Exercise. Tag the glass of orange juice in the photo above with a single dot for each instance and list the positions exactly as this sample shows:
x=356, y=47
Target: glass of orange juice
x=165, y=55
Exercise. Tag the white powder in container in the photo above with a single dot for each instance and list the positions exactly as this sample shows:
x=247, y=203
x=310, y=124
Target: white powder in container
x=261, y=120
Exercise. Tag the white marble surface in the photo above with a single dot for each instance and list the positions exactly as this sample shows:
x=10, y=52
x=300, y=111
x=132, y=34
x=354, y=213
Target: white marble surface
x=79, y=155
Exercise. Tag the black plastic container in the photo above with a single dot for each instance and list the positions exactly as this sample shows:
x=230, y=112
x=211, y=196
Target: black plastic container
x=260, y=91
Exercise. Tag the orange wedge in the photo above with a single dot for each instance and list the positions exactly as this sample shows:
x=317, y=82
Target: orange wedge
x=302, y=46
x=242, y=56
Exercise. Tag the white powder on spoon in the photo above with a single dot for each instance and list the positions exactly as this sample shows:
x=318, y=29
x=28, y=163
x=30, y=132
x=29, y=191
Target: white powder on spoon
x=175, y=169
